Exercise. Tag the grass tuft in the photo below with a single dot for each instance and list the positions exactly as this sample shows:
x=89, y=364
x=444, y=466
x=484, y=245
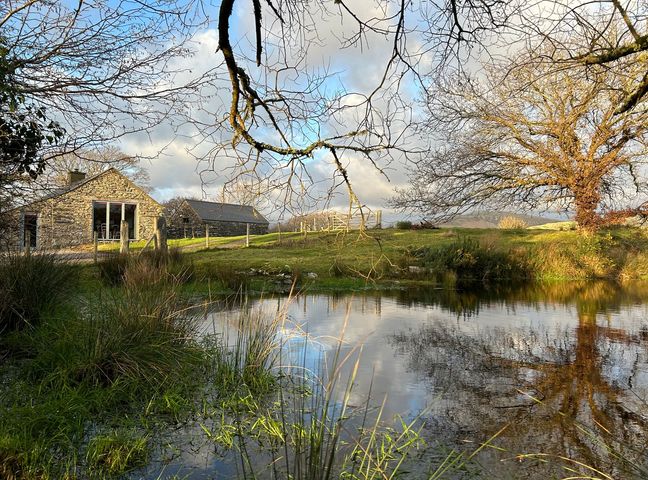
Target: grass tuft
x=29, y=287
x=117, y=452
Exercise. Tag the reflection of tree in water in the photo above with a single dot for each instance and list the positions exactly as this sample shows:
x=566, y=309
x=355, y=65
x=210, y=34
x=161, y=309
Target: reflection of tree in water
x=589, y=382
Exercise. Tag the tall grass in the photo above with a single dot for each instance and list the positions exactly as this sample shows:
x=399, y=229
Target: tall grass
x=243, y=358
x=30, y=286
x=143, y=334
x=229, y=278
x=148, y=264
x=111, y=357
x=305, y=427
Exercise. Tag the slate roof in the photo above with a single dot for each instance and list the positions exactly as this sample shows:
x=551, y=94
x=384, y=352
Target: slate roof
x=226, y=212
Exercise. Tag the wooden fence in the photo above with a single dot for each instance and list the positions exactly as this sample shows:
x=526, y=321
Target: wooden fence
x=343, y=222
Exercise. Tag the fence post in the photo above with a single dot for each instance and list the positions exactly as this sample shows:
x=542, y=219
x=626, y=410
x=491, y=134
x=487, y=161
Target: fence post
x=379, y=219
x=27, y=243
x=207, y=235
x=123, y=237
x=247, y=234
x=161, y=234
x=279, y=230
x=95, y=246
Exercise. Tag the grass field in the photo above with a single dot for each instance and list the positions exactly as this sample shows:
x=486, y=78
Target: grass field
x=547, y=253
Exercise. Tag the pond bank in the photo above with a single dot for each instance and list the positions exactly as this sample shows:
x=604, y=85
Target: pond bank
x=437, y=257
x=87, y=391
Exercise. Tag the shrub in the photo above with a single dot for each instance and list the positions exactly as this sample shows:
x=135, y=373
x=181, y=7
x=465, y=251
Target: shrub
x=404, y=225
x=466, y=260
x=511, y=222
x=29, y=287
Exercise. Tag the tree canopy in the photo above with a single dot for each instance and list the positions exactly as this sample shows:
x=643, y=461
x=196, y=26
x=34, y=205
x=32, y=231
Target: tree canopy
x=531, y=135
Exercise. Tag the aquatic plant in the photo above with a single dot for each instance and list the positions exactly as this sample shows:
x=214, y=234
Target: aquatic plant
x=306, y=428
x=117, y=452
x=244, y=366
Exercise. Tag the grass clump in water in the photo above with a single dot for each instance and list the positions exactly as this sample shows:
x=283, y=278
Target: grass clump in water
x=305, y=427
x=117, y=452
x=243, y=365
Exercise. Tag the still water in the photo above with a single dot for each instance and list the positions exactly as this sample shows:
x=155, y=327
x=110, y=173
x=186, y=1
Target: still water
x=558, y=373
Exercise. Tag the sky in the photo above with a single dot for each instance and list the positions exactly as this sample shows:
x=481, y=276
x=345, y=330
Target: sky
x=189, y=152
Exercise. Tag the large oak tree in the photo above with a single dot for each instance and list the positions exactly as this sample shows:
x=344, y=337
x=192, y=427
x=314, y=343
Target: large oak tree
x=531, y=135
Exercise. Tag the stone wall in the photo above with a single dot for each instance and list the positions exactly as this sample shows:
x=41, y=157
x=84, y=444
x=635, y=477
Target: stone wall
x=183, y=222
x=66, y=219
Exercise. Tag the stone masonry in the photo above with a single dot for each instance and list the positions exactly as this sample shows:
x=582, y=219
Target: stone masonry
x=66, y=219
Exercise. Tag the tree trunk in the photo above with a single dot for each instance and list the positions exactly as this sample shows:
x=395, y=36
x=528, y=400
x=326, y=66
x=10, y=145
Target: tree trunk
x=587, y=200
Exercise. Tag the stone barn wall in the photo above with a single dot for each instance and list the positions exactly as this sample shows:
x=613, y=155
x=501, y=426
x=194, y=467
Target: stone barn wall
x=216, y=229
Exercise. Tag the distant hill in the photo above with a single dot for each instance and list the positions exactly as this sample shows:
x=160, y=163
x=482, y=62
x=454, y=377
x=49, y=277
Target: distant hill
x=492, y=219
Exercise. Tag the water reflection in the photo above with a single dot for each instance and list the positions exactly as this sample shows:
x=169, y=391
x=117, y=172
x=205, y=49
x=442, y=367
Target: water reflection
x=572, y=392
x=563, y=367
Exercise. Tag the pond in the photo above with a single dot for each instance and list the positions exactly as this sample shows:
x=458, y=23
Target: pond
x=529, y=382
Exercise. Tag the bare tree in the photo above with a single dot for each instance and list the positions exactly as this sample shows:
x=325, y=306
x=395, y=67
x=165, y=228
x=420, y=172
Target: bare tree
x=287, y=109
x=530, y=136
x=92, y=163
x=596, y=35
x=99, y=70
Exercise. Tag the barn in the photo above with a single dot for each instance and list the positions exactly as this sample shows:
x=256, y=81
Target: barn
x=191, y=218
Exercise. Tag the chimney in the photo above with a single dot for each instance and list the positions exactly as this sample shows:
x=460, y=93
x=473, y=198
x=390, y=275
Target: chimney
x=75, y=176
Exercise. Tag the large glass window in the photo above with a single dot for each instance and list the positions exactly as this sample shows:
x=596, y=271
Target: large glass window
x=107, y=217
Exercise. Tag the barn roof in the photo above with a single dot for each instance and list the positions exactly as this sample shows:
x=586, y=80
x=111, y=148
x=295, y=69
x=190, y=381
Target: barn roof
x=226, y=212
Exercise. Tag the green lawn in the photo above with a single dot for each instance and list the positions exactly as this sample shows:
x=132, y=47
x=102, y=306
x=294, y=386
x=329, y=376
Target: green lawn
x=555, y=253
x=180, y=242
x=352, y=260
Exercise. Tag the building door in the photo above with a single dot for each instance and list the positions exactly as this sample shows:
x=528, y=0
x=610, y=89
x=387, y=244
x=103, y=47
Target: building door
x=30, y=229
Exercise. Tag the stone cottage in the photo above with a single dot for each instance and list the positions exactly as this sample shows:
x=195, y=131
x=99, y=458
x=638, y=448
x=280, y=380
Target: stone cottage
x=192, y=217
x=70, y=215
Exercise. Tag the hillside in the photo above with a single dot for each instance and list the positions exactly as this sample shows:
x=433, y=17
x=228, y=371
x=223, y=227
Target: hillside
x=491, y=220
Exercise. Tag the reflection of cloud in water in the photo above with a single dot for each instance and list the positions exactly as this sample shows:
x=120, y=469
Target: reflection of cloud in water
x=474, y=360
